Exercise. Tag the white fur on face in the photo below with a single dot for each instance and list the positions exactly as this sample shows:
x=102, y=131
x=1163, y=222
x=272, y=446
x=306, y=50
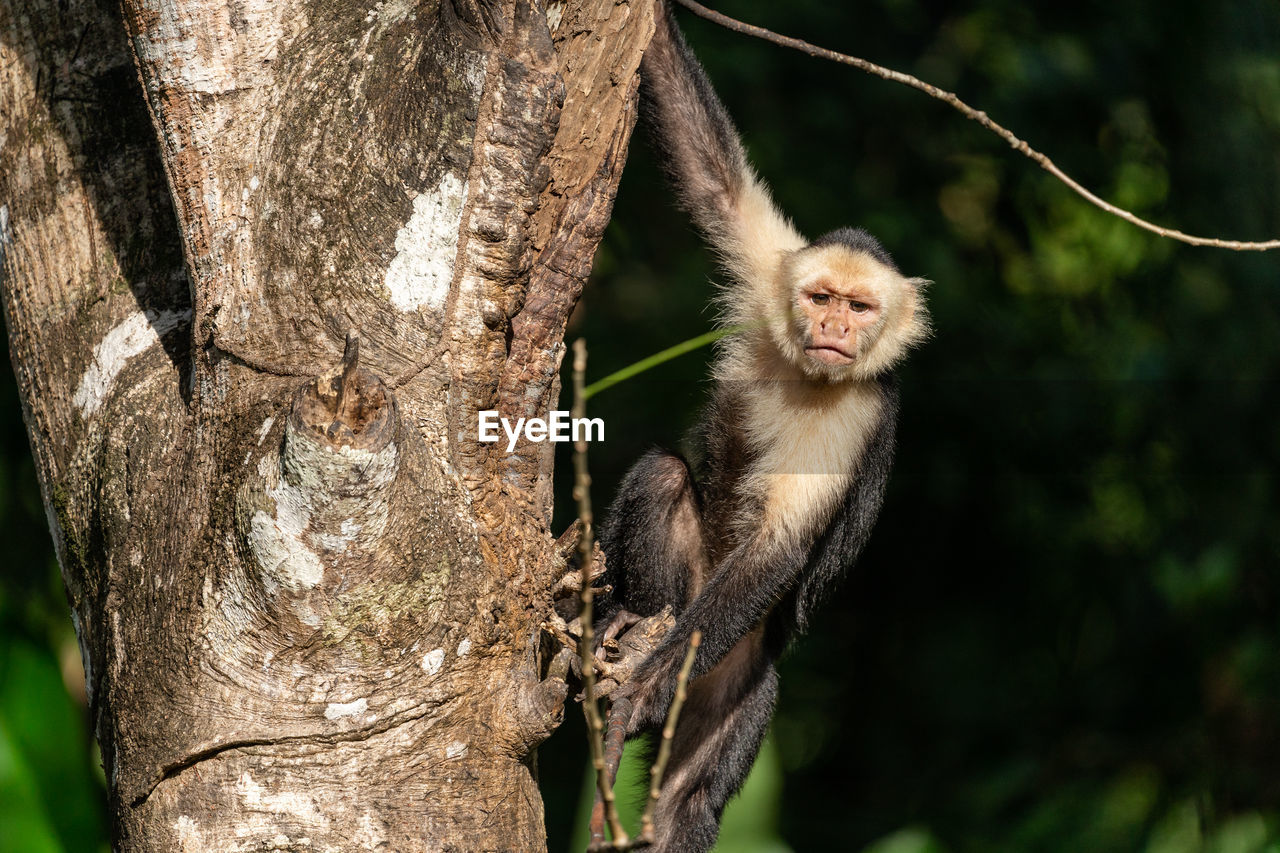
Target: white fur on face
x=902, y=323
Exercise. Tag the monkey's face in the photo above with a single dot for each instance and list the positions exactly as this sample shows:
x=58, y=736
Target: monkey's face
x=837, y=319
x=851, y=315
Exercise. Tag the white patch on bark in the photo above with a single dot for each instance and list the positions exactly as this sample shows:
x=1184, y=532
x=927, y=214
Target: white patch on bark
x=189, y=836
x=457, y=749
x=6, y=233
x=475, y=69
x=464, y=647
x=432, y=661
x=346, y=709
x=278, y=547
x=348, y=531
x=266, y=428
x=118, y=640
x=426, y=247
x=320, y=502
x=555, y=11
x=138, y=333
x=212, y=49
x=284, y=804
x=370, y=833
x=395, y=11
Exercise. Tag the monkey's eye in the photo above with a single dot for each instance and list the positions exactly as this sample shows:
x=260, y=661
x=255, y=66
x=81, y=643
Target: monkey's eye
x=819, y=298
x=859, y=307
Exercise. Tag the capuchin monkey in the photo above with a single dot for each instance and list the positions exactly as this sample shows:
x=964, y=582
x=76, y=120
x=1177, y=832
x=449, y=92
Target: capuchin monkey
x=794, y=451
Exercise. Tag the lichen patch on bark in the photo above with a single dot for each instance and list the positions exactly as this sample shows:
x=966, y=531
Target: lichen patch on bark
x=134, y=336
x=426, y=246
x=334, y=710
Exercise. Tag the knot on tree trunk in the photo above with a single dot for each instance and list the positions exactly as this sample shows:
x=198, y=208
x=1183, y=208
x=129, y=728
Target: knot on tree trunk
x=347, y=407
x=314, y=510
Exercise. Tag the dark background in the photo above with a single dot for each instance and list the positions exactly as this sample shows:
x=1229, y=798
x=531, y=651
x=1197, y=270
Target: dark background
x=1063, y=635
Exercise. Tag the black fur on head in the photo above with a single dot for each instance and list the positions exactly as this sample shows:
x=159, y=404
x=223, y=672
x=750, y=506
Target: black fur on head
x=860, y=241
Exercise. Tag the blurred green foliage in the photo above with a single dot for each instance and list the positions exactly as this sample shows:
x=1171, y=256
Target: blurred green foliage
x=751, y=819
x=1064, y=634
x=52, y=797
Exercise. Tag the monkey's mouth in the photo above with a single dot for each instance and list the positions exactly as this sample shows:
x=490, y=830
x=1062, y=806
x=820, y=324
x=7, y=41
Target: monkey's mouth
x=829, y=355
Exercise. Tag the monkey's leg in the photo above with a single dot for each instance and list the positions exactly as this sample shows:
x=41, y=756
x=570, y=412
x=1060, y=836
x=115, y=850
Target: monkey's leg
x=653, y=539
x=721, y=726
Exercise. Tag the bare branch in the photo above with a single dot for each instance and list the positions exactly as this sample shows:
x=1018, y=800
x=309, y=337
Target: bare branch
x=586, y=647
x=668, y=733
x=615, y=737
x=619, y=717
x=976, y=115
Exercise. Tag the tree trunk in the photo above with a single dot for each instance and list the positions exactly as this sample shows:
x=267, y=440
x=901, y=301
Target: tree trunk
x=308, y=598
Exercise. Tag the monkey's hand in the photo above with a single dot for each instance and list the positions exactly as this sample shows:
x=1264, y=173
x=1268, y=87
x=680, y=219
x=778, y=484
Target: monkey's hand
x=652, y=686
x=729, y=606
x=631, y=649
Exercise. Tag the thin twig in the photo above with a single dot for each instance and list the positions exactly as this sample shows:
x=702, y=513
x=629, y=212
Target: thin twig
x=976, y=115
x=668, y=734
x=586, y=552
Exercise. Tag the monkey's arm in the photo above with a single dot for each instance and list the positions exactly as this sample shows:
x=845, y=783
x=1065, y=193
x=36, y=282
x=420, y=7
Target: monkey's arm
x=759, y=575
x=704, y=158
x=749, y=582
x=850, y=529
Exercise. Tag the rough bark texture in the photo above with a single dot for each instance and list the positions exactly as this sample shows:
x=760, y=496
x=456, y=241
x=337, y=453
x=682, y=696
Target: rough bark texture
x=308, y=599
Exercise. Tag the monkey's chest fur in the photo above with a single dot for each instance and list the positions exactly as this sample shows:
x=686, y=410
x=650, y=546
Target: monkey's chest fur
x=779, y=455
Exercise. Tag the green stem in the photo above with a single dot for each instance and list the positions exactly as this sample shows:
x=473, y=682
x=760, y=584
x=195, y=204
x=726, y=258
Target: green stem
x=658, y=358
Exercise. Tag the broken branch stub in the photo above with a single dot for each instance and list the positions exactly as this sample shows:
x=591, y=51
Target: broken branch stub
x=348, y=406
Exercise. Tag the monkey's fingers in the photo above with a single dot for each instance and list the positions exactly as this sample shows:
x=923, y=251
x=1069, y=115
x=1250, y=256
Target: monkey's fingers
x=643, y=635
x=621, y=621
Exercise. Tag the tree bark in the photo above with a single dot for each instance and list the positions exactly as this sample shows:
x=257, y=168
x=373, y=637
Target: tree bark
x=308, y=598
